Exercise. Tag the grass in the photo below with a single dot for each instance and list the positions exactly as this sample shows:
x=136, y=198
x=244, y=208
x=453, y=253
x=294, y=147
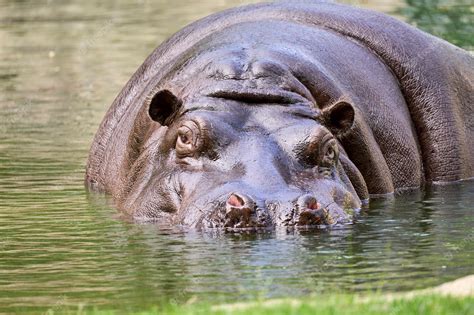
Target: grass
x=324, y=305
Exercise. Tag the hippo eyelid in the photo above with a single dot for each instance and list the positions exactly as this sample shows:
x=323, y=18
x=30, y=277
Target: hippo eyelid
x=312, y=151
x=187, y=136
x=188, y=141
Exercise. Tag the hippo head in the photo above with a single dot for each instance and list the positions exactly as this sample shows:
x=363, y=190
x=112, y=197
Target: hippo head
x=240, y=159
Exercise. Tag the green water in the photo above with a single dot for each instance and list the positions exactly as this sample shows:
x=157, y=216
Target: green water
x=61, y=65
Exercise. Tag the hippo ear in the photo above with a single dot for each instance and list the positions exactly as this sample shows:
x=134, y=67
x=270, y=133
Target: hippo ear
x=339, y=117
x=163, y=107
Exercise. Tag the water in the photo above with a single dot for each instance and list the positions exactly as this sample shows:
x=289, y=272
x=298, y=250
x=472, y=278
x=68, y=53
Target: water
x=61, y=65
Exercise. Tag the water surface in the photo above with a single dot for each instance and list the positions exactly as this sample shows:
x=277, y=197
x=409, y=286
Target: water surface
x=61, y=65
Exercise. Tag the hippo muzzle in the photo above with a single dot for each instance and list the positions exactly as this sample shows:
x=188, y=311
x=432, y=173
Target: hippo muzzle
x=291, y=208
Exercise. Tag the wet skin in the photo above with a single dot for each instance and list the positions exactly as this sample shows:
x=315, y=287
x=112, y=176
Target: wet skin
x=251, y=166
x=285, y=114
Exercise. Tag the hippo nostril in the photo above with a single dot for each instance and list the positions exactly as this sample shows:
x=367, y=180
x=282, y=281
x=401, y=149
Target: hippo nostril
x=240, y=211
x=235, y=201
x=313, y=204
x=308, y=202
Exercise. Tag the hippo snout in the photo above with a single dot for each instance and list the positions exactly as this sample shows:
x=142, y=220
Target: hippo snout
x=246, y=212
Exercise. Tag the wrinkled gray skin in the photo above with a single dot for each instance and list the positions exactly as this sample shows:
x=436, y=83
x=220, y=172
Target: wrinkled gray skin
x=285, y=114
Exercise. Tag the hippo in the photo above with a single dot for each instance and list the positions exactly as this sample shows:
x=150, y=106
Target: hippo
x=285, y=114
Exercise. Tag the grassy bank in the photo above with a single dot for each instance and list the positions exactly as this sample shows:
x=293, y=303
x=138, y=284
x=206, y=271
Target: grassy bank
x=331, y=304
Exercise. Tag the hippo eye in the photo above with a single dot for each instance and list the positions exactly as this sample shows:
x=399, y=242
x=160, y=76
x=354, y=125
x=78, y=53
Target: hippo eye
x=320, y=149
x=188, y=140
x=330, y=153
x=185, y=138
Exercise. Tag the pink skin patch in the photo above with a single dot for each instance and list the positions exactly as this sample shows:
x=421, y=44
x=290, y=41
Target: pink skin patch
x=313, y=205
x=235, y=201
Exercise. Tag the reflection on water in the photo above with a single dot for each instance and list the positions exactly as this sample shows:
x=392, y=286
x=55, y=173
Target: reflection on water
x=61, y=65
